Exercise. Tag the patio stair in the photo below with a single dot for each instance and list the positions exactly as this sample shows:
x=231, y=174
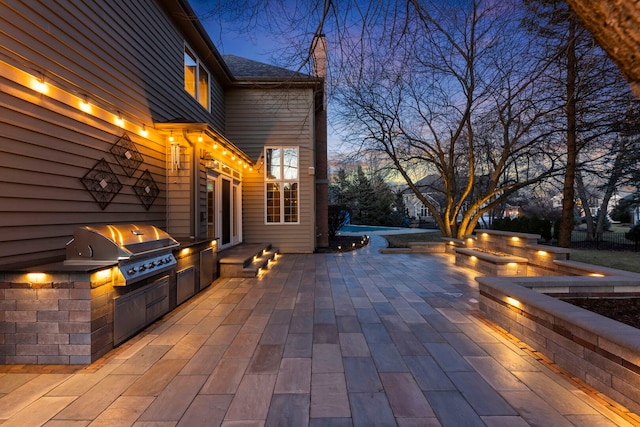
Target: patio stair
x=246, y=260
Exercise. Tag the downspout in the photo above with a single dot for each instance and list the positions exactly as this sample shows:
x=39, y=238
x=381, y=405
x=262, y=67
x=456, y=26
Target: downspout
x=193, y=198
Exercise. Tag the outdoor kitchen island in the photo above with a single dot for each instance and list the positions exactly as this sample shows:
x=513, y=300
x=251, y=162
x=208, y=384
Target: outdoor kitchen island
x=115, y=281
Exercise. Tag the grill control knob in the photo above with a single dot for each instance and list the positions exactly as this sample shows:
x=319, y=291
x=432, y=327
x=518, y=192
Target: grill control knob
x=152, y=264
x=160, y=262
x=142, y=267
x=131, y=271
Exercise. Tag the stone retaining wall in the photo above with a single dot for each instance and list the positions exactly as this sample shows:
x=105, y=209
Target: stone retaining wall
x=602, y=352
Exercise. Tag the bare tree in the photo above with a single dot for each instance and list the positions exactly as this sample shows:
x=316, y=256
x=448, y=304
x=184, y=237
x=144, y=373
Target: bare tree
x=453, y=88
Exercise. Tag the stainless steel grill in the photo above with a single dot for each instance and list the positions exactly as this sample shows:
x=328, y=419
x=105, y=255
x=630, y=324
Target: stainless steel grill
x=139, y=250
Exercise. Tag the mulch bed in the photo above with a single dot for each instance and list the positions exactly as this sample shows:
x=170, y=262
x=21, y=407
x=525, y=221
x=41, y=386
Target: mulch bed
x=624, y=310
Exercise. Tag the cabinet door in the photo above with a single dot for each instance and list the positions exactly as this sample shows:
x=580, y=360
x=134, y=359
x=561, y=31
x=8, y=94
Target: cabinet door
x=130, y=315
x=157, y=299
x=186, y=284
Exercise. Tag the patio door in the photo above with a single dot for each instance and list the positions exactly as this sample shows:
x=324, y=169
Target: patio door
x=224, y=210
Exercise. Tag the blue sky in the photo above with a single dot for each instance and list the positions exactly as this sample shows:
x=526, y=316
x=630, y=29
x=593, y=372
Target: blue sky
x=258, y=47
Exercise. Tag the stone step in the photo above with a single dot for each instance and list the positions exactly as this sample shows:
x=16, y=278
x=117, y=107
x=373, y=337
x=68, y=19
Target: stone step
x=246, y=260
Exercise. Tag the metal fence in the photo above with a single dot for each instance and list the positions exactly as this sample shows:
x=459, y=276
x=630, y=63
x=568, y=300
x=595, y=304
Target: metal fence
x=605, y=241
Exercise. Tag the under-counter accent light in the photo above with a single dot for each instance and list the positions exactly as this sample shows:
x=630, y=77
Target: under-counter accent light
x=512, y=264
x=103, y=274
x=485, y=235
x=185, y=251
x=543, y=253
x=596, y=275
x=515, y=239
x=36, y=277
x=514, y=302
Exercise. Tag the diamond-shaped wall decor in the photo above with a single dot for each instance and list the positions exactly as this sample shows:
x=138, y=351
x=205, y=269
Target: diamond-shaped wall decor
x=127, y=155
x=146, y=189
x=102, y=183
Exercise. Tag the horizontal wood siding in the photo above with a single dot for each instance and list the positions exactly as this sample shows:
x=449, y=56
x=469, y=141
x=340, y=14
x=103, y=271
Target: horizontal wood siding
x=257, y=118
x=125, y=57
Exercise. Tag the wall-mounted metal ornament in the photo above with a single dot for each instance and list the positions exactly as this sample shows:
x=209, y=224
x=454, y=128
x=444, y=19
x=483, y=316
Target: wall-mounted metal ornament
x=127, y=155
x=146, y=189
x=102, y=183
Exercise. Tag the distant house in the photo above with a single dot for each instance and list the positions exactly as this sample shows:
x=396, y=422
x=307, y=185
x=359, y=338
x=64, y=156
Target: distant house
x=420, y=214
x=125, y=112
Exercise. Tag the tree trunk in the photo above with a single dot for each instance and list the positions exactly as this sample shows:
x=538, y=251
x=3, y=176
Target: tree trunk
x=566, y=222
x=584, y=199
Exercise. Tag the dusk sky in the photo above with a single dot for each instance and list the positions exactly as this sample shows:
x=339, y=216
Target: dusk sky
x=229, y=42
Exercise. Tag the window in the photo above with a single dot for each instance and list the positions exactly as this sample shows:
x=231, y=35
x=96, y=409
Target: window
x=196, y=78
x=281, y=184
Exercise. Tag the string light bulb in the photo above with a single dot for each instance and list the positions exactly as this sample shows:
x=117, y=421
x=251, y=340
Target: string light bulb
x=143, y=131
x=84, y=105
x=38, y=84
x=171, y=138
x=119, y=120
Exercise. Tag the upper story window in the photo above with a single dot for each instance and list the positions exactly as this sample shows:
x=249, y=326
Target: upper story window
x=196, y=78
x=281, y=184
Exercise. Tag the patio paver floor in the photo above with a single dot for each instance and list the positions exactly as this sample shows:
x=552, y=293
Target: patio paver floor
x=352, y=339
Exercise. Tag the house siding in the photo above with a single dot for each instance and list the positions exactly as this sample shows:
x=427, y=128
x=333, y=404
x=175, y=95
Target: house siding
x=274, y=117
x=125, y=58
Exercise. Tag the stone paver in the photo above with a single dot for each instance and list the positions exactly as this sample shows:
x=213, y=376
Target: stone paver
x=351, y=339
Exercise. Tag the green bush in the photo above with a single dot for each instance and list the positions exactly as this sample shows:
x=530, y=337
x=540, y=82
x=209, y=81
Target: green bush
x=633, y=234
x=337, y=215
x=523, y=224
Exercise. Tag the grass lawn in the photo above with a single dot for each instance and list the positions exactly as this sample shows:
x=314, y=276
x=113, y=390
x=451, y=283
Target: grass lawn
x=627, y=261
x=403, y=240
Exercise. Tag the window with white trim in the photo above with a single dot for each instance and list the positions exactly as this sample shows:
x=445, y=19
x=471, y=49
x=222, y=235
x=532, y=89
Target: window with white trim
x=282, y=184
x=196, y=78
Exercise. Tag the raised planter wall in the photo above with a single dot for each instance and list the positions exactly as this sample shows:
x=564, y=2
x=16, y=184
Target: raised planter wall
x=602, y=352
